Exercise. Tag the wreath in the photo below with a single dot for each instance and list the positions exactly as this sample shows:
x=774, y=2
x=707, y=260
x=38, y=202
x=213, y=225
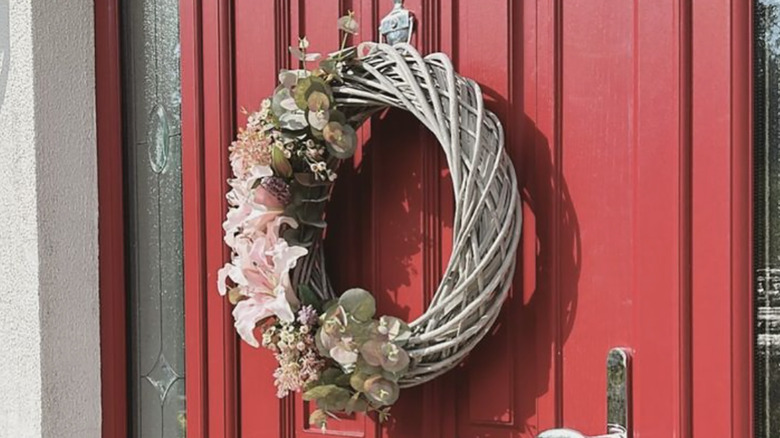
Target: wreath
x=335, y=349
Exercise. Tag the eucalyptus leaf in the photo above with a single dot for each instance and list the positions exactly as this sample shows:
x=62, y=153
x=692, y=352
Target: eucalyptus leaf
x=282, y=101
x=329, y=376
x=358, y=303
x=308, y=86
x=318, y=101
x=371, y=351
x=363, y=367
x=320, y=391
x=356, y=404
x=318, y=118
x=395, y=329
x=341, y=139
x=394, y=358
x=288, y=78
x=338, y=116
x=381, y=391
x=328, y=397
x=293, y=120
x=343, y=380
x=358, y=379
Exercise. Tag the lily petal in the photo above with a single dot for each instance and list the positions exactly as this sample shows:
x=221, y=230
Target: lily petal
x=247, y=314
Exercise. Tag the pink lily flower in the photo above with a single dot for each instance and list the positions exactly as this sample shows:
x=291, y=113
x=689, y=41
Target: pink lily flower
x=262, y=273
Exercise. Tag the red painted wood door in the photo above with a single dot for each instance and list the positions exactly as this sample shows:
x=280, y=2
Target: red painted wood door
x=633, y=157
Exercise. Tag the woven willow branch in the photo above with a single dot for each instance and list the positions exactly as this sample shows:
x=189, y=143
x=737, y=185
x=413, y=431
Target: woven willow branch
x=487, y=206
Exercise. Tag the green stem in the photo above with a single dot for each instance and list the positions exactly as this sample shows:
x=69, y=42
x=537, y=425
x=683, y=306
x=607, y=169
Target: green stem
x=344, y=41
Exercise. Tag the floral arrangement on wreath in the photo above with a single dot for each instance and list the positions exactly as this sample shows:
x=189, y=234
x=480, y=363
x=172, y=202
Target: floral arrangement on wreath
x=338, y=353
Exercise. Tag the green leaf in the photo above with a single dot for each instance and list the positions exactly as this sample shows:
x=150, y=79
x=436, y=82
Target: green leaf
x=309, y=298
x=309, y=85
x=280, y=163
x=359, y=304
x=356, y=404
x=319, y=419
x=293, y=238
x=330, y=376
x=338, y=116
x=316, y=223
x=343, y=380
x=307, y=180
x=328, y=397
x=367, y=369
x=357, y=380
x=395, y=329
x=381, y=391
x=341, y=139
x=321, y=391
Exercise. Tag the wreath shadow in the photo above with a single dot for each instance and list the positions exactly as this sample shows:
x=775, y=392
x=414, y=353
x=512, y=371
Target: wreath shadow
x=377, y=225
x=514, y=367
x=375, y=216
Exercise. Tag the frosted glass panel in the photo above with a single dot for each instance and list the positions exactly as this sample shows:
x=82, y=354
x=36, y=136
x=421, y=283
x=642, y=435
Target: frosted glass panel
x=767, y=227
x=152, y=95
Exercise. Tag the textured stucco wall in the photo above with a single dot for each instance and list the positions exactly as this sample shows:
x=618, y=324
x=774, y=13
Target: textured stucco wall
x=20, y=382
x=49, y=321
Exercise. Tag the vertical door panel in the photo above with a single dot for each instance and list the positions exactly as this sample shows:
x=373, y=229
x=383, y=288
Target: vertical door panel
x=486, y=387
x=256, y=26
x=596, y=158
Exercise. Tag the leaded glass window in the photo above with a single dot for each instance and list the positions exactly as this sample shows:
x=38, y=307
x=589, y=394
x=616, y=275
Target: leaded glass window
x=767, y=222
x=152, y=107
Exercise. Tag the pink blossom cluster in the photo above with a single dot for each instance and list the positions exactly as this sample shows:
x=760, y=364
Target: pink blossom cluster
x=295, y=349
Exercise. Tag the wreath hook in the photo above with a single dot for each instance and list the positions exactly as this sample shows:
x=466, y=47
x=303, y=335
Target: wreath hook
x=398, y=25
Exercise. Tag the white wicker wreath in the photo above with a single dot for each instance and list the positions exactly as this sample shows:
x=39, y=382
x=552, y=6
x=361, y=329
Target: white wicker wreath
x=488, y=217
x=338, y=353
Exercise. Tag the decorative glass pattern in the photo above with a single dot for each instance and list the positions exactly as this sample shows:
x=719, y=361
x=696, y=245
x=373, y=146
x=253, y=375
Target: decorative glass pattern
x=767, y=225
x=152, y=95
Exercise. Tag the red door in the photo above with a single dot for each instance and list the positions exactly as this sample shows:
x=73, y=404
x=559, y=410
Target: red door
x=628, y=124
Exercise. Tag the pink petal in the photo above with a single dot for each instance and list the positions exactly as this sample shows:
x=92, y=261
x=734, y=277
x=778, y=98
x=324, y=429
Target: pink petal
x=247, y=314
x=222, y=276
x=235, y=217
x=281, y=307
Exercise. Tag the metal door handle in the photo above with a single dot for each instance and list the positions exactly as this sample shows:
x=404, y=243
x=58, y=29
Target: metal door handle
x=616, y=432
x=618, y=399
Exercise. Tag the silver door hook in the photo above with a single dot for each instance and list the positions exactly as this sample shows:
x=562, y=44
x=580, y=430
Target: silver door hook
x=398, y=25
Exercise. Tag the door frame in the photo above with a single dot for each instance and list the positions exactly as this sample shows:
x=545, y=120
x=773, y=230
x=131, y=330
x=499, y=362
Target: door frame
x=111, y=234
x=721, y=304
x=721, y=173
